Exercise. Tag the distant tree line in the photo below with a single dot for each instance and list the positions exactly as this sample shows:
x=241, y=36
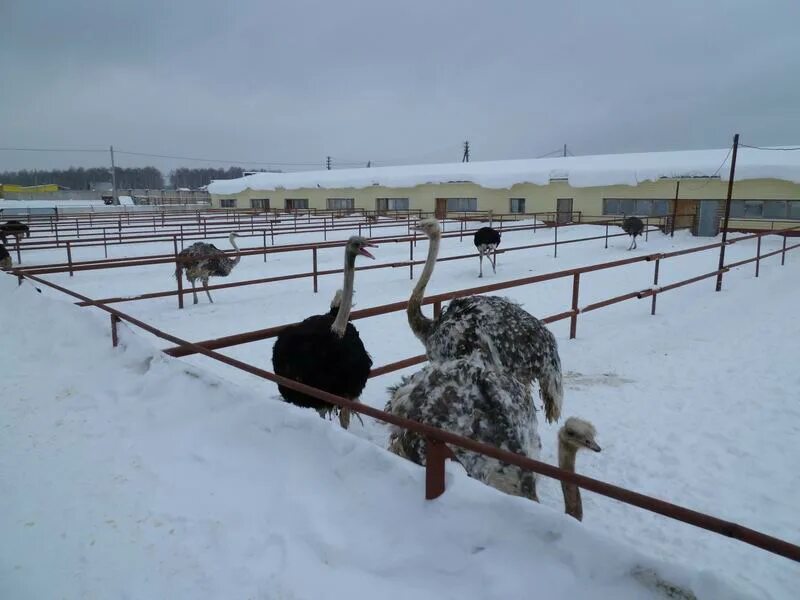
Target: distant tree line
x=195, y=178
x=79, y=178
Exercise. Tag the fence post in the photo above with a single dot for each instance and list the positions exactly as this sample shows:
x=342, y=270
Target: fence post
x=105, y=246
x=783, y=251
x=573, y=320
x=646, y=227
x=272, y=233
x=19, y=252
x=178, y=273
x=655, y=284
x=314, y=261
x=325, y=227
x=606, y=235
x=56, y=230
x=411, y=259
x=114, y=334
x=435, y=455
x=461, y=235
x=555, y=245
x=181, y=236
x=437, y=309
x=264, y=234
x=119, y=228
x=758, y=253
x=69, y=256
x=77, y=228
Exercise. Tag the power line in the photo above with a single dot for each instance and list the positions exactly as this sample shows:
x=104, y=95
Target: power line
x=771, y=149
x=219, y=160
x=53, y=150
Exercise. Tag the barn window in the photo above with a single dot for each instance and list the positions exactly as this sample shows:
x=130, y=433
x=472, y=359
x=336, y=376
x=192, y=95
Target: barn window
x=517, y=205
x=462, y=204
x=228, y=203
x=341, y=203
x=259, y=203
x=794, y=209
x=391, y=203
x=296, y=203
x=643, y=207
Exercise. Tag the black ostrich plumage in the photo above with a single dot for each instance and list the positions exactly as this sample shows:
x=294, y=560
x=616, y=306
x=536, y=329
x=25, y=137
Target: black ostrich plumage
x=486, y=236
x=309, y=352
x=633, y=226
x=5, y=258
x=15, y=228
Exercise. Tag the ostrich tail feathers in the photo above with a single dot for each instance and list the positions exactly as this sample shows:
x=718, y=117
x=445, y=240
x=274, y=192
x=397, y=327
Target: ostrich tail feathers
x=551, y=388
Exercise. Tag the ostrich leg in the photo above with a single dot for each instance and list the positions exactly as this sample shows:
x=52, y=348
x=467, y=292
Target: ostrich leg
x=494, y=261
x=480, y=253
x=630, y=246
x=634, y=243
x=205, y=287
x=194, y=291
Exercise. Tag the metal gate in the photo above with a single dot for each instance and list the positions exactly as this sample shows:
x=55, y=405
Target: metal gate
x=708, y=221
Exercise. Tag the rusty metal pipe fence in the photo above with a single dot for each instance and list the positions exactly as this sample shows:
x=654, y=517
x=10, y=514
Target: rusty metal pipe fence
x=436, y=438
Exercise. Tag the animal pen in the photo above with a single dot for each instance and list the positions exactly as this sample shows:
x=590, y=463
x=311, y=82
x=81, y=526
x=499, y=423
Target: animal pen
x=437, y=439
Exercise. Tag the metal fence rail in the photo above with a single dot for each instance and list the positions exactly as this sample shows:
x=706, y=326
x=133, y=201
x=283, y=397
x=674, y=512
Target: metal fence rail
x=437, y=451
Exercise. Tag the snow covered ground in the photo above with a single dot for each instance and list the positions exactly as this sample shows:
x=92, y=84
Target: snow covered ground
x=128, y=474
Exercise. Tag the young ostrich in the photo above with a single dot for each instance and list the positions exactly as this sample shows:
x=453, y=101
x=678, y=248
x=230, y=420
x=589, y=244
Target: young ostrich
x=487, y=240
x=5, y=258
x=201, y=261
x=325, y=351
x=633, y=226
x=14, y=228
x=500, y=330
x=466, y=397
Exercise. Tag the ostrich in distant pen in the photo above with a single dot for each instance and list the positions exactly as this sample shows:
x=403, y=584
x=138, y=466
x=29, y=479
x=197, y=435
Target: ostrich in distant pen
x=5, y=258
x=467, y=397
x=633, y=226
x=499, y=329
x=14, y=228
x=486, y=241
x=325, y=351
x=202, y=260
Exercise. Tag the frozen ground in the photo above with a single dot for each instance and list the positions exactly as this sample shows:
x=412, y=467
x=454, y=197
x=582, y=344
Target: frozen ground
x=697, y=405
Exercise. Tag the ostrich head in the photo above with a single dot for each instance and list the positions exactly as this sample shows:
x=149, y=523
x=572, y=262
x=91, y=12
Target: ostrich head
x=576, y=434
x=429, y=227
x=358, y=245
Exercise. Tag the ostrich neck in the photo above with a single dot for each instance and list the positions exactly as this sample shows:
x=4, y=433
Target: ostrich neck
x=572, y=494
x=340, y=324
x=419, y=323
x=238, y=252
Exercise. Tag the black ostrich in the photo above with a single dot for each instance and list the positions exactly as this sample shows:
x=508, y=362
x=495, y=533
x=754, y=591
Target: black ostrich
x=487, y=240
x=5, y=258
x=325, y=351
x=14, y=228
x=633, y=226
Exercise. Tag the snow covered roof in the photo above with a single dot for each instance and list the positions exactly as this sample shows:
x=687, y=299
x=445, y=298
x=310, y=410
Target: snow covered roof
x=579, y=171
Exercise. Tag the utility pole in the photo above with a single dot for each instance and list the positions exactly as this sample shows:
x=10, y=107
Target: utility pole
x=328, y=163
x=465, y=158
x=565, y=150
x=369, y=164
x=727, y=212
x=113, y=176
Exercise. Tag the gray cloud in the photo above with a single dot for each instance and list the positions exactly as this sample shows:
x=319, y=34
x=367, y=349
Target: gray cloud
x=295, y=81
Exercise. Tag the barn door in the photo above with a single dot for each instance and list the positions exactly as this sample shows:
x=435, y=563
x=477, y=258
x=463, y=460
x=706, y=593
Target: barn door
x=564, y=210
x=441, y=208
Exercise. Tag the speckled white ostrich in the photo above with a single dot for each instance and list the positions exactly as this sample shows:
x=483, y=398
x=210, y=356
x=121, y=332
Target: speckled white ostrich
x=505, y=335
x=488, y=405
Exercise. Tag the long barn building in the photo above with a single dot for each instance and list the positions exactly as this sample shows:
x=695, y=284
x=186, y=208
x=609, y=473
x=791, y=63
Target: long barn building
x=766, y=191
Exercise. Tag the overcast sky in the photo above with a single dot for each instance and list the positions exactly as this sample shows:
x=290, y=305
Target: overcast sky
x=400, y=81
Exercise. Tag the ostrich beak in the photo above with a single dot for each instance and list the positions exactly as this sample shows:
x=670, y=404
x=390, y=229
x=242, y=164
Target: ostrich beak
x=364, y=252
x=592, y=445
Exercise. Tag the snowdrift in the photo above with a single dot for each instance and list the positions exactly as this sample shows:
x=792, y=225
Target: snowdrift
x=129, y=474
